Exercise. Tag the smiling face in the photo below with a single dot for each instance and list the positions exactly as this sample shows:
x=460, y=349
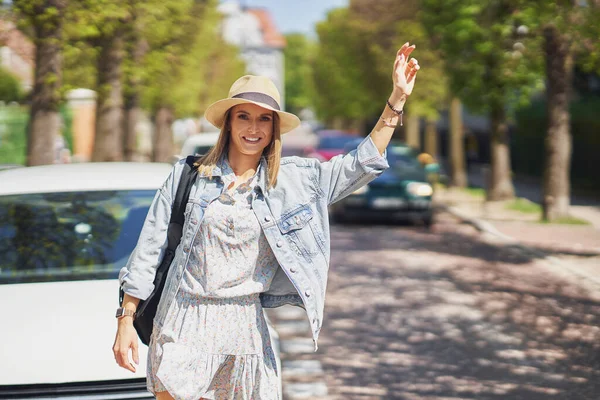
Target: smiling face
x=251, y=129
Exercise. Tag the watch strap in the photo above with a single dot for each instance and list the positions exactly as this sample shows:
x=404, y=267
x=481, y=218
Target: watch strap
x=124, y=312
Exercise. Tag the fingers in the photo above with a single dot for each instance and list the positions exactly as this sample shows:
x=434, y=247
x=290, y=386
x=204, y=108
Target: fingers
x=413, y=73
x=408, y=50
x=403, y=54
x=121, y=354
x=412, y=64
x=136, y=357
x=402, y=50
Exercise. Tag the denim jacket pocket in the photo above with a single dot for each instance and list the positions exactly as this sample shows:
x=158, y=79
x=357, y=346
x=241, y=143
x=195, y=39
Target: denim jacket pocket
x=294, y=226
x=296, y=219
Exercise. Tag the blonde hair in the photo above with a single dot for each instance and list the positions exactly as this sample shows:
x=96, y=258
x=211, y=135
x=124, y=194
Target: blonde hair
x=272, y=152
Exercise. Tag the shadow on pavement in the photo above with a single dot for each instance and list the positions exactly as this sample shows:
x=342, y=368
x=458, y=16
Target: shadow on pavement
x=474, y=324
x=450, y=241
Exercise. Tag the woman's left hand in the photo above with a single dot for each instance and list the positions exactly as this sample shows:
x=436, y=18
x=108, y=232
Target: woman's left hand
x=405, y=71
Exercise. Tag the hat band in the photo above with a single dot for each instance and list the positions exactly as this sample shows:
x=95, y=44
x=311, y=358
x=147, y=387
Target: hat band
x=258, y=97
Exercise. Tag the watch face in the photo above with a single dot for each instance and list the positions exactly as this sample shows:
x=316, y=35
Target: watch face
x=119, y=312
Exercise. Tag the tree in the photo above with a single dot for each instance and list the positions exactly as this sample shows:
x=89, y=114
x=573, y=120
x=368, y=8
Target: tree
x=101, y=25
x=44, y=20
x=345, y=92
x=488, y=71
x=356, y=48
x=10, y=87
x=385, y=27
x=187, y=66
x=568, y=29
x=299, y=85
x=136, y=47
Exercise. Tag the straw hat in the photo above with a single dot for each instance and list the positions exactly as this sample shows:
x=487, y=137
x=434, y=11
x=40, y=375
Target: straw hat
x=251, y=89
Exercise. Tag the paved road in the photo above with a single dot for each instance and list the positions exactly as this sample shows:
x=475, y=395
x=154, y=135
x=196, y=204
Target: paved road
x=412, y=314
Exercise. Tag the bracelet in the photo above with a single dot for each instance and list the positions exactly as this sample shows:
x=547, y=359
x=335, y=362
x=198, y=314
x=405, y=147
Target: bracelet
x=396, y=111
x=399, y=112
x=389, y=125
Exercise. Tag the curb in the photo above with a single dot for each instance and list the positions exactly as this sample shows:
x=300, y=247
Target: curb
x=590, y=281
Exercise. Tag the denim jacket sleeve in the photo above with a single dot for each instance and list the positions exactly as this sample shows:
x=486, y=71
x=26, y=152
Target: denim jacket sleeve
x=137, y=276
x=344, y=174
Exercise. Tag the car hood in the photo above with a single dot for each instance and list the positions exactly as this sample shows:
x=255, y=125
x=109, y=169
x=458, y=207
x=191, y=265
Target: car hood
x=60, y=332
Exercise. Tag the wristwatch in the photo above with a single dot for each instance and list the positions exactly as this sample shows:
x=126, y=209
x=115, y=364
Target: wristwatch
x=124, y=312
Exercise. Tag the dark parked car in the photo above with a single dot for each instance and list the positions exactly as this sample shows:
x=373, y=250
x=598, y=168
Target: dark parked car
x=402, y=192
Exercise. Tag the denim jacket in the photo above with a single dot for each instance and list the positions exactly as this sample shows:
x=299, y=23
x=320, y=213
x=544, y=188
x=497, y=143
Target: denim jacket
x=293, y=215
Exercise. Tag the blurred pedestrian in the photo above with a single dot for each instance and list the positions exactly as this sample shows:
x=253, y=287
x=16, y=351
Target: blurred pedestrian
x=256, y=235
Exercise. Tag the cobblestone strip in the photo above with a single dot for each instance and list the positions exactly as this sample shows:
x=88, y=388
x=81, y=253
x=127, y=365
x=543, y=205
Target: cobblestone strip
x=302, y=375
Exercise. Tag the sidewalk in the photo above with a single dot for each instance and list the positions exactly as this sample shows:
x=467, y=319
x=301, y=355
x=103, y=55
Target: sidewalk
x=565, y=248
x=526, y=227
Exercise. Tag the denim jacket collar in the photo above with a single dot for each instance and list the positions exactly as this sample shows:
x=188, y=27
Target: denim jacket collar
x=223, y=168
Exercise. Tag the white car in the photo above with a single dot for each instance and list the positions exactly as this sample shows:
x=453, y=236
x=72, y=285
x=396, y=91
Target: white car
x=198, y=144
x=65, y=232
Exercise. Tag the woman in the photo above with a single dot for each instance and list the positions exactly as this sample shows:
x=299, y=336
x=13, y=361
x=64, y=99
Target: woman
x=256, y=235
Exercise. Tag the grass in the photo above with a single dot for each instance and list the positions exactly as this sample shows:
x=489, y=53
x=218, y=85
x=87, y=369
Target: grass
x=528, y=207
x=568, y=221
x=475, y=192
x=525, y=206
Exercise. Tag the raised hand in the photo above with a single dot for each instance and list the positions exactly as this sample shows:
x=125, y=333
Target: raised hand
x=405, y=71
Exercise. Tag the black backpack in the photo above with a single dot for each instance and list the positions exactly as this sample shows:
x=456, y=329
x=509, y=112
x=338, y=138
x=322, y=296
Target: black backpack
x=146, y=310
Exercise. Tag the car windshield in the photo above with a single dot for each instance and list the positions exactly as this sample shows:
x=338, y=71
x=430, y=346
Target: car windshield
x=334, y=142
x=69, y=236
x=403, y=157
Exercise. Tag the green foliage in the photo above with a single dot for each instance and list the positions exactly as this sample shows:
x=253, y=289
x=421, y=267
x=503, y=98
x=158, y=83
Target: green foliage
x=478, y=39
x=10, y=87
x=344, y=88
x=66, y=116
x=299, y=86
x=386, y=27
x=354, y=60
x=188, y=65
x=79, y=65
x=184, y=65
x=13, y=134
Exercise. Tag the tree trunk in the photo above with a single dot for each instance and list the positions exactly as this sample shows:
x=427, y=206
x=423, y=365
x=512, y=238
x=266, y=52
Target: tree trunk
x=132, y=116
x=412, y=131
x=136, y=47
x=431, y=138
x=44, y=118
x=337, y=123
x=163, y=136
x=108, y=143
x=500, y=184
x=457, y=147
x=559, y=70
x=358, y=126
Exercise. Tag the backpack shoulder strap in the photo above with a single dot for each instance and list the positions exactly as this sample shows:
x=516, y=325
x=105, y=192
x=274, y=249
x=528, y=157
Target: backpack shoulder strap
x=186, y=181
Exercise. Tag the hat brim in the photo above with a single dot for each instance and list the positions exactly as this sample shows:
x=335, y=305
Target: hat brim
x=215, y=113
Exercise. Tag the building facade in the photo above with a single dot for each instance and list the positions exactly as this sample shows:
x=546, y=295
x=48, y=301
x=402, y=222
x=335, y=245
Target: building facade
x=260, y=42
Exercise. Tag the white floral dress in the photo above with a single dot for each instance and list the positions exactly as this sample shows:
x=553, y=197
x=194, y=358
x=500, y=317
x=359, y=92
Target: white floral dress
x=214, y=343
